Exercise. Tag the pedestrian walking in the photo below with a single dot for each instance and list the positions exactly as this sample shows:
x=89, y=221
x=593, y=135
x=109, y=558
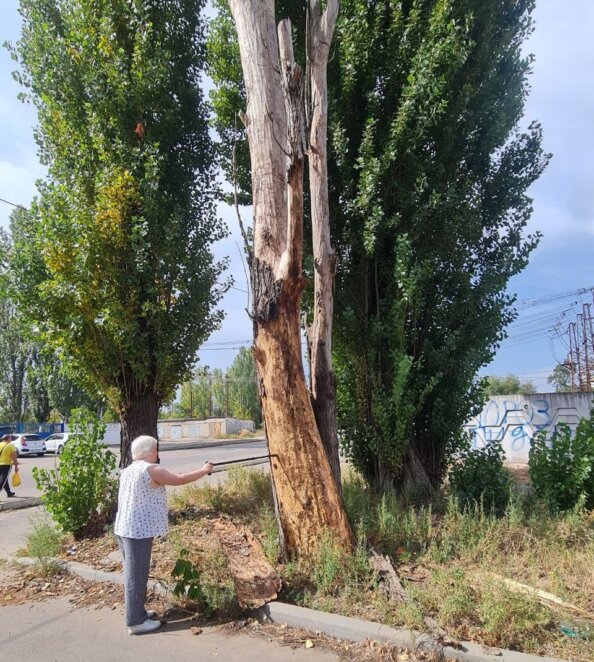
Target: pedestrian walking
x=141, y=516
x=8, y=457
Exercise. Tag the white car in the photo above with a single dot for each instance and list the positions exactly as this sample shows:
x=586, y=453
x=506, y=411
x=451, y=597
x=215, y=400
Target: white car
x=28, y=444
x=55, y=442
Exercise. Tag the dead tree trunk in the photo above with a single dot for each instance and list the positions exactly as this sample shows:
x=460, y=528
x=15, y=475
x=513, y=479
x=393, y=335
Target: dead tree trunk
x=309, y=501
x=320, y=30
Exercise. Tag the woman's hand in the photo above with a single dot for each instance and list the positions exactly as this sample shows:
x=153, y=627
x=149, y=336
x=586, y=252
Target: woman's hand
x=160, y=476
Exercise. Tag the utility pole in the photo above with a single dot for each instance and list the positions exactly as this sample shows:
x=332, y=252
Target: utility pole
x=209, y=396
x=226, y=397
x=585, y=383
x=571, y=360
x=575, y=334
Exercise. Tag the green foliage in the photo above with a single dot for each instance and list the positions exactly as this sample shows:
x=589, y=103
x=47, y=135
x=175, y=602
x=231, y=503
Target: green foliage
x=244, y=399
x=39, y=398
x=429, y=186
x=560, y=378
x=15, y=350
x=428, y=173
x=44, y=540
x=234, y=393
x=188, y=581
x=114, y=260
x=333, y=571
x=200, y=586
x=562, y=468
x=508, y=385
x=81, y=488
x=486, y=610
x=477, y=476
x=388, y=523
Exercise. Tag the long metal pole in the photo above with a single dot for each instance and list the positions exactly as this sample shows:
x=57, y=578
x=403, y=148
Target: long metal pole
x=245, y=459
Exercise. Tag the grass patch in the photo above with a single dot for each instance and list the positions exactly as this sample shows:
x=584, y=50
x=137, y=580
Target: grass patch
x=44, y=540
x=451, y=561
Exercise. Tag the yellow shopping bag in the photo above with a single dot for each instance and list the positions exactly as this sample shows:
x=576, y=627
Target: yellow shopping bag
x=16, y=479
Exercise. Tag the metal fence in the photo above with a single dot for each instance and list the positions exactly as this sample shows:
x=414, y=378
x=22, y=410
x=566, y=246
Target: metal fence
x=42, y=429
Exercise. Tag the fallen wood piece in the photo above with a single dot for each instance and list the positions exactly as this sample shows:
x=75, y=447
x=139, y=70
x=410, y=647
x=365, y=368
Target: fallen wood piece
x=388, y=577
x=395, y=591
x=256, y=581
x=543, y=596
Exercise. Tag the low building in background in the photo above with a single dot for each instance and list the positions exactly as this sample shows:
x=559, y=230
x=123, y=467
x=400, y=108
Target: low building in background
x=188, y=429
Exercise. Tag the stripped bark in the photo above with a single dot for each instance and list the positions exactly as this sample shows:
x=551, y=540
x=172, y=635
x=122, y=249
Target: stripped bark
x=308, y=498
x=255, y=580
x=321, y=29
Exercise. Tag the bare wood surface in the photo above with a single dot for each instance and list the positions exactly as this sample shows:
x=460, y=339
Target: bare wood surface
x=308, y=499
x=321, y=27
x=256, y=581
x=388, y=578
x=543, y=597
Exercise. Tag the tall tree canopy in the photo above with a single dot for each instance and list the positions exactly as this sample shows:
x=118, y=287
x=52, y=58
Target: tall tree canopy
x=429, y=168
x=508, y=385
x=126, y=285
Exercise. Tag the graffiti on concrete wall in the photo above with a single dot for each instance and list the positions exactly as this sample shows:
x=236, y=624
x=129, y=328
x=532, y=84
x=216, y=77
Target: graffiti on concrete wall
x=514, y=420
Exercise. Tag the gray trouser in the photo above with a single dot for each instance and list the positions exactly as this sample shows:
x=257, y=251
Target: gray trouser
x=136, y=557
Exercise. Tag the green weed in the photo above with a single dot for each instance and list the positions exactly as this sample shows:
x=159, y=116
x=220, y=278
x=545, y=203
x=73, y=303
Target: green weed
x=44, y=540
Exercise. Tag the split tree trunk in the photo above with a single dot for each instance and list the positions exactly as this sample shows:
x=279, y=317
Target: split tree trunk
x=321, y=28
x=308, y=498
x=138, y=417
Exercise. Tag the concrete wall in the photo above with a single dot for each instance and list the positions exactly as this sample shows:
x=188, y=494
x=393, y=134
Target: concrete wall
x=515, y=419
x=186, y=429
x=174, y=430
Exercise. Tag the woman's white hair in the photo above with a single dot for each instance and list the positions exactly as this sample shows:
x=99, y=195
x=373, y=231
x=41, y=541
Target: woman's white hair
x=142, y=446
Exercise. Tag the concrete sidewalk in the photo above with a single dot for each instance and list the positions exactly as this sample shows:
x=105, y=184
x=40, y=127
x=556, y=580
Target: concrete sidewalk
x=54, y=631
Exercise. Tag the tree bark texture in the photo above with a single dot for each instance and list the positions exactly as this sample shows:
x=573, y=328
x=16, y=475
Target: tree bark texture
x=138, y=417
x=308, y=498
x=321, y=28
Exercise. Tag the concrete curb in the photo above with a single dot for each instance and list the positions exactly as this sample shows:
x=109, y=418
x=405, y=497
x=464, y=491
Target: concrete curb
x=89, y=573
x=26, y=502
x=355, y=629
x=333, y=625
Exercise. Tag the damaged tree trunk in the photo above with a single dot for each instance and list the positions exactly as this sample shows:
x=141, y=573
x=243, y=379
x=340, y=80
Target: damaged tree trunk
x=320, y=30
x=308, y=498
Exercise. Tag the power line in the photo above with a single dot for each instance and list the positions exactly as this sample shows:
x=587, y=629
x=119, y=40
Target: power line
x=549, y=298
x=13, y=204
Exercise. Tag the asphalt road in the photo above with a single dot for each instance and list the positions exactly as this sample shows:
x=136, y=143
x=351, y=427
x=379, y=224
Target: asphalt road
x=174, y=460
x=16, y=524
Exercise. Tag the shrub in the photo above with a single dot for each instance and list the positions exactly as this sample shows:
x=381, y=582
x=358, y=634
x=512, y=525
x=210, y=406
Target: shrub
x=212, y=595
x=81, y=490
x=44, y=540
x=562, y=469
x=478, y=476
x=335, y=571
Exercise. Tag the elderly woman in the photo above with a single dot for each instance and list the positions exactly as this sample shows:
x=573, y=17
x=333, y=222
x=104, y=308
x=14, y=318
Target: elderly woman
x=142, y=515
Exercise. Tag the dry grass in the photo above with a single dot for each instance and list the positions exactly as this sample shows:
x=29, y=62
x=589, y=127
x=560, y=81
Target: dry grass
x=449, y=562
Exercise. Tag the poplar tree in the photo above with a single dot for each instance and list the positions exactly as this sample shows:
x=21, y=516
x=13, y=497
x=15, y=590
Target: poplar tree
x=121, y=278
x=430, y=160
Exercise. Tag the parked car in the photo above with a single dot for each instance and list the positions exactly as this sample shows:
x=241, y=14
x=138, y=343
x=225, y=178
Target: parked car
x=55, y=442
x=28, y=444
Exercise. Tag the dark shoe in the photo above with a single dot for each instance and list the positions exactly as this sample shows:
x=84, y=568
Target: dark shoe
x=11, y=494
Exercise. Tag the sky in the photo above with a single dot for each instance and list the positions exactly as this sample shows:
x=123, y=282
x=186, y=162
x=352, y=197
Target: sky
x=561, y=98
